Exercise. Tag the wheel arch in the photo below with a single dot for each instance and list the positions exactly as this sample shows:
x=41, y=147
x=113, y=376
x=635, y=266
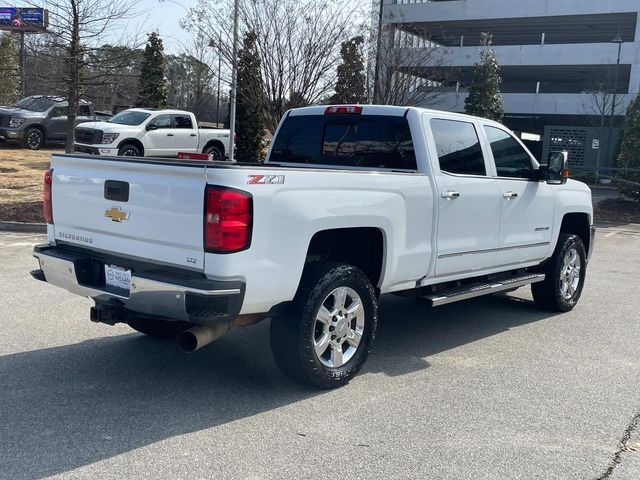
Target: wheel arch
x=37, y=126
x=215, y=143
x=578, y=223
x=132, y=141
x=362, y=247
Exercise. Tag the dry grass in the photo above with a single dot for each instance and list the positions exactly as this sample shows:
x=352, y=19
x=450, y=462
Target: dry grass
x=21, y=173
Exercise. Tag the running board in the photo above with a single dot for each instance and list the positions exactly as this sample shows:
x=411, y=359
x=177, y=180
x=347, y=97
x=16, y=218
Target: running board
x=473, y=290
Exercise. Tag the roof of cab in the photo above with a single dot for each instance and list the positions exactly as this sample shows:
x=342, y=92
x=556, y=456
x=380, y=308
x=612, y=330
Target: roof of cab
x=158, y=110
x=390, y=110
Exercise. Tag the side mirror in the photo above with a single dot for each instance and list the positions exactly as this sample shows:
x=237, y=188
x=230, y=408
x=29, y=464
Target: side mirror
x=558, y=168
x=151, y=126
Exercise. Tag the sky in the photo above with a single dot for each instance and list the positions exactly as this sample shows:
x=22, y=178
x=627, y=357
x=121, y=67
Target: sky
x=161, y=15
x=164, y=16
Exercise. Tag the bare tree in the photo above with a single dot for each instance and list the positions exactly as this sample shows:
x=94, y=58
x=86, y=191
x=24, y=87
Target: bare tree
x=298, y=42
x=598, y=104
x=406, y=66
x=77, y=30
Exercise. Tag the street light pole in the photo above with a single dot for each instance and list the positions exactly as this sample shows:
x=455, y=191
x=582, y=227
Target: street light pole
x=219, y=75
x=610, y=150
x=234, y=84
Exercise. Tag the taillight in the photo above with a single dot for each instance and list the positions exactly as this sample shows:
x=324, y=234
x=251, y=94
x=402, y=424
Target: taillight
x=47, y=206
x=227, y=220
x=343, y=109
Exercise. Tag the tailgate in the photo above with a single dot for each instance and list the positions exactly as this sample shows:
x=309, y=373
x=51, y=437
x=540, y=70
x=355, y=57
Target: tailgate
x=160, y=221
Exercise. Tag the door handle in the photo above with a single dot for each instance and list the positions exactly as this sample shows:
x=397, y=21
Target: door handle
x=169, y=134
x=450, y=194
x=510, y=195
x=192, y=135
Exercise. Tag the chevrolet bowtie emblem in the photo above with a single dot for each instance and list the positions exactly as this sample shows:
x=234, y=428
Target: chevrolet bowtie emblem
x=116, y=215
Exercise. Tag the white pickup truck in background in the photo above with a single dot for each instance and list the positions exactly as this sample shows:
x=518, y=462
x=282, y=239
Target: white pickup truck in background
x=140, y=132
x=352, y=203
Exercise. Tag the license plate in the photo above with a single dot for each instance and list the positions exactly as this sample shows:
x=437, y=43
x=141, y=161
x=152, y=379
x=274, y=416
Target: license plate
x=117, y=279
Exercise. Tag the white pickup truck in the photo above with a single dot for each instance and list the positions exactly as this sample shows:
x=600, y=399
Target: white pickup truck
x=352, y=203
x=141, y=132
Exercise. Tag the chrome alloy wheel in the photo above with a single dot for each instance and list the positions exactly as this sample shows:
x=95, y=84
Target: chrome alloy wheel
x=339, y=327
x=570, y=274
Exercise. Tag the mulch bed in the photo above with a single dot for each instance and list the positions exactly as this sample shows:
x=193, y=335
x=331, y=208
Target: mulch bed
x=30, y=212
x=619, y=211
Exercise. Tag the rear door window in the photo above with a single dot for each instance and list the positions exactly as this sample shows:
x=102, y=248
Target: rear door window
x=458, y=145
x=368, y=141
x=84, y=111
x=161, y=121
x=183, y=121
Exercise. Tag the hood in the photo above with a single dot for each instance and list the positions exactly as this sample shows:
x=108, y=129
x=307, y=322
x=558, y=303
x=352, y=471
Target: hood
x=20, y=112
x=109, y=127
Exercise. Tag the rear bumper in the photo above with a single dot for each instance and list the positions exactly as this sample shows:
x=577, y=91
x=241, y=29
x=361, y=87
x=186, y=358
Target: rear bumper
x=168, y=293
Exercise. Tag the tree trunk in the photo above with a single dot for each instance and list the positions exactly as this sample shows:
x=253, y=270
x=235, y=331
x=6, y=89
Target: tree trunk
x=73, y=95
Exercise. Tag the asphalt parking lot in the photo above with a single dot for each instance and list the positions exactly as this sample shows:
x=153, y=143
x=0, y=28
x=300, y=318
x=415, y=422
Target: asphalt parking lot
x=491, y=388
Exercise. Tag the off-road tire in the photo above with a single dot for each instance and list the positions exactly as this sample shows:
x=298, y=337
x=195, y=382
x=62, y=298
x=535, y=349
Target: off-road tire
x=292, y=334
x=158, y=328
x=547, y=294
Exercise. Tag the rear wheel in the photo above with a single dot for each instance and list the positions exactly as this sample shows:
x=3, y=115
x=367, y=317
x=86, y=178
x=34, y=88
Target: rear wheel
x=565, y=272
x=215, y=152
x=158, y=328
x=129, y=150
x=33, y=139
x=325, y=337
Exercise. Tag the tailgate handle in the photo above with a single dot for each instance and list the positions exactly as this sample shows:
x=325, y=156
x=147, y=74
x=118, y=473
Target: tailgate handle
x=116, y=190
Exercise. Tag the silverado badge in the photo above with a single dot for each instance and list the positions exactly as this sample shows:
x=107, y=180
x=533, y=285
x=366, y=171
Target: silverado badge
x=116, y=215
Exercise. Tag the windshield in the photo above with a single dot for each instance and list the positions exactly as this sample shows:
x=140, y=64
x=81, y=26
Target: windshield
x=129, y=118
x=35, y=104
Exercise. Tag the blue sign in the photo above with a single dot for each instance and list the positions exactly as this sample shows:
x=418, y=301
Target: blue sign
x=12, y=18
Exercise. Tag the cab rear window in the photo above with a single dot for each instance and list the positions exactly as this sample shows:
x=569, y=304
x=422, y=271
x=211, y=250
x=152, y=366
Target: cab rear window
x=368, y=141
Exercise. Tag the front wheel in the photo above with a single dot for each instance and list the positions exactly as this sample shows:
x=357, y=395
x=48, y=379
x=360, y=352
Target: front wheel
x=33, y=139
x=129, y=150
x=325, y=337
x=565, y=273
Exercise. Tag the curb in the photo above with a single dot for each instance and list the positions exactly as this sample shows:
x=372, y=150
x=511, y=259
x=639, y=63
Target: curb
x=23, y=227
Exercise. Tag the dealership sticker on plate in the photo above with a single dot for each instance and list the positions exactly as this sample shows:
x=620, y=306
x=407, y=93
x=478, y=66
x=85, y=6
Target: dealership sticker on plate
x=118, y=278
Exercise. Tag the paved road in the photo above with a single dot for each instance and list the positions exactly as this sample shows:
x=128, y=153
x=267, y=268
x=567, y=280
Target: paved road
x=488, y=389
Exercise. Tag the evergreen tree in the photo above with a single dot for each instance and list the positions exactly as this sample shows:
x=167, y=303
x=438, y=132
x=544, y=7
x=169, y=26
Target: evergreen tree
x=249, y=124
x=630, y=150
x=9, y=75
x=350, y=85
x=484, y=98
x=152, y=87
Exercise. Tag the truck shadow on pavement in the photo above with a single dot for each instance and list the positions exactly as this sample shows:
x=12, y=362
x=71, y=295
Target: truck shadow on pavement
x=65, y=407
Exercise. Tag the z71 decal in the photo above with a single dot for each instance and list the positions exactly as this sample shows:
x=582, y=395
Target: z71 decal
x=265, y=179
